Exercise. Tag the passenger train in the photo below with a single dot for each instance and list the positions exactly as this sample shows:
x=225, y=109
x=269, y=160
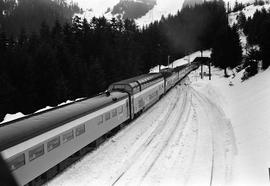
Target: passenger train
x=34, y=144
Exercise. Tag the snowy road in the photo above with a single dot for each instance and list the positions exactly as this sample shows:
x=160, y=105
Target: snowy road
x=184, y=139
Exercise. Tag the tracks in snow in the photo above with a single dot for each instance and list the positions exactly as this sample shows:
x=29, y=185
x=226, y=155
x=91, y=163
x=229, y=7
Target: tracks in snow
x=149, y=149
x=223, y=146
x=184, y=139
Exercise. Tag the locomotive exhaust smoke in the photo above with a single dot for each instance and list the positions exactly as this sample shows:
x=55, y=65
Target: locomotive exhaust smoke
x=189, y=30
x=185, y=38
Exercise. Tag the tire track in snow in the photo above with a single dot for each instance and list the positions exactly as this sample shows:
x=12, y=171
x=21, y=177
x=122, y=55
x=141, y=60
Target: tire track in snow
x=112, y=154
x=150, y=156
x=160, y=146
x=172, y=132
x=195, y=122
x=223, y=143
x=182, y=152
x=142, y=147
x=203, y=101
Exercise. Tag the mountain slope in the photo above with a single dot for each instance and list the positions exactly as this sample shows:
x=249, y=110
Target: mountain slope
x=143, y=11
x=162, y=8
x=132, y=9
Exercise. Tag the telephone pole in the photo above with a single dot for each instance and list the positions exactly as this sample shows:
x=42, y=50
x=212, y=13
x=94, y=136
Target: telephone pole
x=169, y=60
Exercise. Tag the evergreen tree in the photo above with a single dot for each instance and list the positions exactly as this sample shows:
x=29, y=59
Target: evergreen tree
x=63, y=61
x=235, y=48
x=265, y=43
x=227, y=51
x=241, y=19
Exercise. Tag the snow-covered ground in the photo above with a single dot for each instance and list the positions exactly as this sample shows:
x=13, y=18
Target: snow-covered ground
x=99, y=8
x=183, y=139
x=247, y=105
x=162, y=8
x=202, y=133
x=248, y=12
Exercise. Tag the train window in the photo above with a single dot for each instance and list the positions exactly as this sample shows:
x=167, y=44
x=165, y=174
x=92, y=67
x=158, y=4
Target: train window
x=36, y=152
x=80, y=130
x=141, y=103
x=114, y=113
x=120, y=110
x=100, y=120
x=53, y=143
x=107, y=116
x=16, y=162
x=68, y=136
x=121, y=87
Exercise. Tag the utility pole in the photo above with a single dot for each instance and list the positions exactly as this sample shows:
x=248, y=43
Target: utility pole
x=168, y=60
x=201, y=65
x=209, y=70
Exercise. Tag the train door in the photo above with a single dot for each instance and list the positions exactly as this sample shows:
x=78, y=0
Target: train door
x=165, y=85
x=130, y=107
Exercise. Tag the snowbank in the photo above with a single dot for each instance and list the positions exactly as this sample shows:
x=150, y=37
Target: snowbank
x=11, y=117
x=247, y=104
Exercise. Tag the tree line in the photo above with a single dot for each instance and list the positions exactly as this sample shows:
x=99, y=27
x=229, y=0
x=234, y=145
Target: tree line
x=66, y=62
x=69, y=60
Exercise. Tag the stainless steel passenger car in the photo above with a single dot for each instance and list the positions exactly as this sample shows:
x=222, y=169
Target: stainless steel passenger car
x=35, y=144
x=144, y=90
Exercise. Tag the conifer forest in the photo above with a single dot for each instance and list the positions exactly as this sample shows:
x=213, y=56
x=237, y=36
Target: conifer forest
x=48, y=55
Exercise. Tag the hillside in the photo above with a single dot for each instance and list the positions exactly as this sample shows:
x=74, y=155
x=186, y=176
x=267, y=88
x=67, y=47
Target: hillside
x=144, y=11
x=128, y=9
x=26, y=16
x=248, y=12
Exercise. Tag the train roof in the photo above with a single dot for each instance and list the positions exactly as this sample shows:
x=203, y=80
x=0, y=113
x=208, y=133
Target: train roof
x=178, y=68
x=150, y=77
x=167, y=72
x=133, y=82
x=133, y=85
x=20, y=130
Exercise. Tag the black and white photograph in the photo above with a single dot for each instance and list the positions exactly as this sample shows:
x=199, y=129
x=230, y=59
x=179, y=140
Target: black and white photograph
x=134, y=92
